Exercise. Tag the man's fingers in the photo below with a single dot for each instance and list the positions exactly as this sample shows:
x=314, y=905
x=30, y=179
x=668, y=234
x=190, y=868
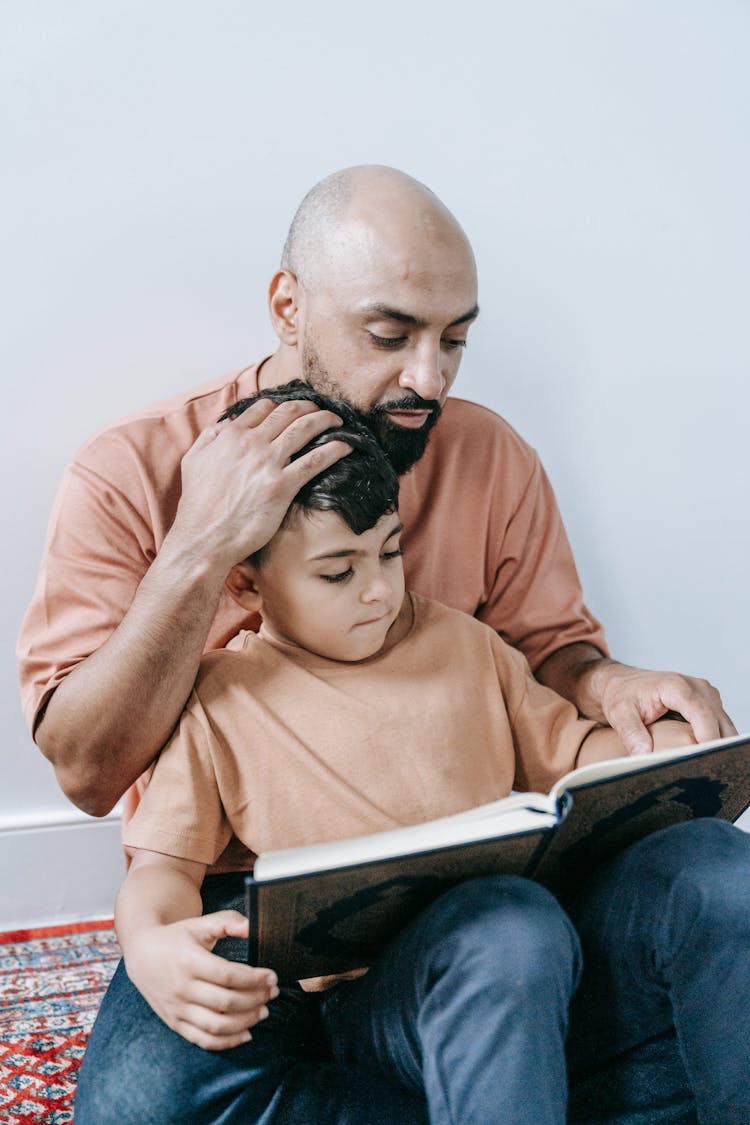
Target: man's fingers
x=296, y=416
x=255, y=415
x=302, y=470
x=290, y=432
x=699, y=703
x=631, y=729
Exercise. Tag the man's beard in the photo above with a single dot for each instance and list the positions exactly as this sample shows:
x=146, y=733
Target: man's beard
x=403, y=447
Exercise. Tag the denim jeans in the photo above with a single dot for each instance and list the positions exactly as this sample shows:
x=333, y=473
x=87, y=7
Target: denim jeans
x=489, y=1008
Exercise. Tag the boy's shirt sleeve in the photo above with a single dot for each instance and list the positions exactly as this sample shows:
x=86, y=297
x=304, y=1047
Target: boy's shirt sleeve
x=547, y=730
x=181, y=812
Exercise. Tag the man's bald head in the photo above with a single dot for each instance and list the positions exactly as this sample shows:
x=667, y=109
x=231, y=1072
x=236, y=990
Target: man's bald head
x=349, y=208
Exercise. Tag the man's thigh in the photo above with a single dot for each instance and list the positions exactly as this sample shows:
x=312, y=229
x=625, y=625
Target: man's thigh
x=657, y=935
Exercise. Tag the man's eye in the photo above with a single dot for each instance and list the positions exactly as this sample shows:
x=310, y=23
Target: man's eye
x=455, y=343
x=338, y=577
x=387, y=341
x=392, y=554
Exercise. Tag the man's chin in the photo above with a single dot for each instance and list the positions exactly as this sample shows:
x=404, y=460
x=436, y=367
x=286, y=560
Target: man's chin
x=404, y=446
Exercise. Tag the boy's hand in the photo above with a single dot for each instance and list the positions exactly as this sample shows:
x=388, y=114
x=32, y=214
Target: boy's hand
x=208, y=1000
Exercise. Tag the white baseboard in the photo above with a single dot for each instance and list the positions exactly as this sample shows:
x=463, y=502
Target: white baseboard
x=58, y=867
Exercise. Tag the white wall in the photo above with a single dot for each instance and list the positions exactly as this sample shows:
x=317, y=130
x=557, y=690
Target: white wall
x=598, y=154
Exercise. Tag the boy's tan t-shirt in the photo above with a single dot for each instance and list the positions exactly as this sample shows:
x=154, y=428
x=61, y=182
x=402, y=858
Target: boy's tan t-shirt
x=279, y=747
x=482, y=533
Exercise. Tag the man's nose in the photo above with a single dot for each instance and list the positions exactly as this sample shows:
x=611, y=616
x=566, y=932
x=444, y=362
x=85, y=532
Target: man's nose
x=422, y=374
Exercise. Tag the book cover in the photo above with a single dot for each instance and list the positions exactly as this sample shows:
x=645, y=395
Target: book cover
x=328, y=908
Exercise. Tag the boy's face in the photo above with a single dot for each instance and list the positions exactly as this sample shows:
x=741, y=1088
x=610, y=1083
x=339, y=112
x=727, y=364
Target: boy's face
x=329, y=590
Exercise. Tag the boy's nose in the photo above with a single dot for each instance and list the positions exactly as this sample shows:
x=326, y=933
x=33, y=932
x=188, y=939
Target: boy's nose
x=375, y=590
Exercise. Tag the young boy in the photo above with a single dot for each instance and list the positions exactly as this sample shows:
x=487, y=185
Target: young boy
x=358, y=707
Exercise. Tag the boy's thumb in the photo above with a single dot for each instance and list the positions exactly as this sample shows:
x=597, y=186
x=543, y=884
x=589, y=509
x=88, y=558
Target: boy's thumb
x=223, y=923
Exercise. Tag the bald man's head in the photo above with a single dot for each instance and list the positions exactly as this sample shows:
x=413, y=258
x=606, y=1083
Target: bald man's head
x=339, y=213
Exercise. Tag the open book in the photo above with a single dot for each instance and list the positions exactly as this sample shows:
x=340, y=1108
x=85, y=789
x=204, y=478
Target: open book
x=326, y=908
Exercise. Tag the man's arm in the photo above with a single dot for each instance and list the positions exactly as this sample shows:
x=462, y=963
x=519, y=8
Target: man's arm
x=107, y=720
x=630, y=699
x=167, y=948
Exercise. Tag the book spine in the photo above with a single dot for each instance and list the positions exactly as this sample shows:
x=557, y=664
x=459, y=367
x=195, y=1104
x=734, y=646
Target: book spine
x=251, y=910
x=564, y=805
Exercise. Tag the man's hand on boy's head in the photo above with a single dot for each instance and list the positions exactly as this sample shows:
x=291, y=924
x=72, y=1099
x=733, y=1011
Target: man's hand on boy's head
x=208, y=1000
x=238, y=481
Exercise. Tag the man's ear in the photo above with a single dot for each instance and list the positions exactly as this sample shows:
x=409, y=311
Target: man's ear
x=284, y=306
x=240, y=582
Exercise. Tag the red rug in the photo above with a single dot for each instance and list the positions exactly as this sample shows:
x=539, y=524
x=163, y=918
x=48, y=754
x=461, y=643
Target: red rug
x=51, y=984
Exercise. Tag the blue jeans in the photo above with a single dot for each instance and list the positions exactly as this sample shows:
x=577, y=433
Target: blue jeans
x=489, y=1007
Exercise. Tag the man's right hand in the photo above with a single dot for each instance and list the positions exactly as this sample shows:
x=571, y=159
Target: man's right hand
x=238, y=481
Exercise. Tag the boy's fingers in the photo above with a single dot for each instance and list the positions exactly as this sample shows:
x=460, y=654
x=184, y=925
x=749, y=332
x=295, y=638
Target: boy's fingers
x=222, y=1023
x=223, y=923
x=227, y=1001
x=208, y=1042
x=206, y=966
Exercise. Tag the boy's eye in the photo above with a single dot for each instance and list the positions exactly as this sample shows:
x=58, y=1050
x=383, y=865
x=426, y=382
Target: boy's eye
x=455, y=343
x=392, y=554
x=338, y=577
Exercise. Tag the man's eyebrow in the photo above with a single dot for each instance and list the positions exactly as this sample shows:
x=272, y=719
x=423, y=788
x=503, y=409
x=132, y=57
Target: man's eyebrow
x=389, y=313
x=353, y=550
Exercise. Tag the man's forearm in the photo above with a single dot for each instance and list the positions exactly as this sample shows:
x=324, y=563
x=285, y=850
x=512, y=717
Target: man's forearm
x=112, y=714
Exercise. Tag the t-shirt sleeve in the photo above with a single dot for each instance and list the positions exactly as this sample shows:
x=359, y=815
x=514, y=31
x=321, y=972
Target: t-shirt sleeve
x=535, y=599
x=181, y=812
x=547, y=730
x=100, y=542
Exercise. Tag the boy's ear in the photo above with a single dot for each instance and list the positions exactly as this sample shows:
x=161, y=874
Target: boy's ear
x=240, y=582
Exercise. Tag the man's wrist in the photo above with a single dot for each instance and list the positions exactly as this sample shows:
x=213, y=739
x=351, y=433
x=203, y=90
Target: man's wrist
x=577, y=672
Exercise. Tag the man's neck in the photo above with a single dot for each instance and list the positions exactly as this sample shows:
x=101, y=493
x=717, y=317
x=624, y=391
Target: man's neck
x=280, y=368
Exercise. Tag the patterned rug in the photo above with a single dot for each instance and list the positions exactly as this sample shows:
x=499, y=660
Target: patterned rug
x=51, y=984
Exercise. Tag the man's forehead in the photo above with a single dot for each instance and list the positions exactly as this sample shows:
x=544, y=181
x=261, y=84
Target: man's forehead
x=399, y=252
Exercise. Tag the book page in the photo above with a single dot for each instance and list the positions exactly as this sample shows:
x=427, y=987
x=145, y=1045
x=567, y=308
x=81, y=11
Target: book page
x=518, y=813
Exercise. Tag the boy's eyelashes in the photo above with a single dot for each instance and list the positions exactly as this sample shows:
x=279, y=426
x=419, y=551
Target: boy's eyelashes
x=344, y=574
x=337, y=577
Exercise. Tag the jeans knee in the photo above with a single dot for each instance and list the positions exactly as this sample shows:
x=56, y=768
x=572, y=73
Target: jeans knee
x=505, y=926
x=713, y=879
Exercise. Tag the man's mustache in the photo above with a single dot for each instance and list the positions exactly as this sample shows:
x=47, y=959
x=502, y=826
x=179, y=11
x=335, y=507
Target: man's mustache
x=409, y=402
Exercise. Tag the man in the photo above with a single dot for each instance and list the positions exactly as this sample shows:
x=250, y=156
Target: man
x=373, y=303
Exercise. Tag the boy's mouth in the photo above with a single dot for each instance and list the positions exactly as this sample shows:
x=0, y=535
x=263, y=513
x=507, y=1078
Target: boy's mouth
x=372, y=620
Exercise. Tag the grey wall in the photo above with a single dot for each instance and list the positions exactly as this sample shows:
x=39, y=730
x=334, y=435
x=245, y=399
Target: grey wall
x=598, y=156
